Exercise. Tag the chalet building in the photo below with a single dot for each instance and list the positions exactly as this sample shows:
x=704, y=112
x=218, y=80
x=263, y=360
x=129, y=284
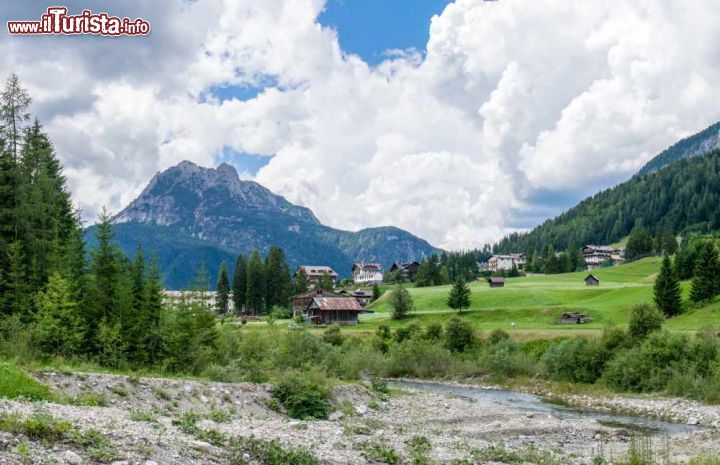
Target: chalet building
x=300, y=302
x=506, y=262
x=207, y=298
x=333, y=310
x=483, y=267
x=314, y=273
x=592, y=280
x=596, y=255
x=367, y=274
x=363, y=297
x=407, y=270
x=496, y=281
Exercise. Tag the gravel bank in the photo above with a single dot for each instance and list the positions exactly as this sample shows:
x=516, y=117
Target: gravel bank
x=140, y=417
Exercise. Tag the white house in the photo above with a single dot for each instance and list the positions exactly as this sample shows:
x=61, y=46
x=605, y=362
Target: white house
x=506, y=262
x=595, y=255
x=367, y=274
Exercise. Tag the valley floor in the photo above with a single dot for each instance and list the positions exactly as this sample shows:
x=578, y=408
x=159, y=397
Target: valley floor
x=146, y=421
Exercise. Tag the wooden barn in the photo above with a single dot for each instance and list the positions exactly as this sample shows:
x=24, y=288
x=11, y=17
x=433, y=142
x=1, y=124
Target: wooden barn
x=592, y=280
x=333, y=310
x=496, y=281
x=300, y=302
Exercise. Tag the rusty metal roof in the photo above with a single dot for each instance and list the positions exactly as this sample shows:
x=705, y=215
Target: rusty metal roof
x=336, y=303
x=314, y=292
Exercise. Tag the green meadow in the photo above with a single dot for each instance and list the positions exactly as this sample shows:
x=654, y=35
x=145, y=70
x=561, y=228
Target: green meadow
x=533, y=303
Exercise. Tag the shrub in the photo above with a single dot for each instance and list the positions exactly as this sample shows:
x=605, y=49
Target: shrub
x=281, y=313
x=303, y=397
x=459, y=335
x=267, y=452
x=577, y=360
x=506, y=359
x=498, y=336
x=434, y=332
x=420, y=358
x=407, y=332
x=332, y=335
x=645, y=319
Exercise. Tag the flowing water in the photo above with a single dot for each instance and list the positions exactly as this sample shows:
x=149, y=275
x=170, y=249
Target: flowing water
x=529, y=403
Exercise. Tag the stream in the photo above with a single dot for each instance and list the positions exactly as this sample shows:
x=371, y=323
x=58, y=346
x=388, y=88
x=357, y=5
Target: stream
x=529, y=403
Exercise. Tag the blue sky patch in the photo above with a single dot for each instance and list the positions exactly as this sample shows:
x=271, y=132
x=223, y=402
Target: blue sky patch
x=370, y=27
x=243, y=162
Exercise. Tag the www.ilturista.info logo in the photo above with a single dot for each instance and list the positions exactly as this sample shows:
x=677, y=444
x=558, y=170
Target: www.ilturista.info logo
x=57, y=21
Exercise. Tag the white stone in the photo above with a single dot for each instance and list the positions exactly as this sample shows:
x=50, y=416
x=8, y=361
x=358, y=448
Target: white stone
x=693, y=421
x=71, y=458
x=204, y=399
x=361, y=409
x=335, y=416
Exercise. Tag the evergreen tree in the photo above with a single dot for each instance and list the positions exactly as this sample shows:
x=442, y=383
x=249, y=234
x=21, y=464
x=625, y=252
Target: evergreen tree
x=16, y=298
x=255, y=287
x=301, y=281
x=459, y=296
x=706, y=283
x=401, y=302
x=14, y=115
x=59, y=329
x=422, y=277
x=375, y=293
x=325, y=282
x=222, y=290
x=667, y=289
x=640, y=243
x=151, y=341
x=277, y=279
x=105, y=270
x=239, y=283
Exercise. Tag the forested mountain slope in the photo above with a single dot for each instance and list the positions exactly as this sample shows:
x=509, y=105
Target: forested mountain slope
x=683, y=196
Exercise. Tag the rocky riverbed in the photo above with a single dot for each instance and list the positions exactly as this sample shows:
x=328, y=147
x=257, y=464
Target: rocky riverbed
x=168, y=421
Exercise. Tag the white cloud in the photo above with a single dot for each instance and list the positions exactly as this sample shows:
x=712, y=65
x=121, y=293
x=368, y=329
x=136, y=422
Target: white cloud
x=513, y=100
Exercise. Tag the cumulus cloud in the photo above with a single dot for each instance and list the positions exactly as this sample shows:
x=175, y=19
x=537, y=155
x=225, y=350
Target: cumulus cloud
x=515, y=110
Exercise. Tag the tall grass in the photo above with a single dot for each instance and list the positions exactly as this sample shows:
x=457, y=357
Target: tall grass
x=15, y=383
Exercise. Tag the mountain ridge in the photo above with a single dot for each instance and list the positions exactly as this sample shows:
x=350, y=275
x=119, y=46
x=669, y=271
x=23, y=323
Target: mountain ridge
x=190, y=215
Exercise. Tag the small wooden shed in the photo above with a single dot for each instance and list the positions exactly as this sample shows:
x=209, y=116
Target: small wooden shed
x=496, y=281
x=592, y=280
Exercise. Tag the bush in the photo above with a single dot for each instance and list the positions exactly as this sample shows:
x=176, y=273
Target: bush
x=332, y=335
x=577, y=360
x=419, y=358
x=645, y=319
x=459, y=335
x=303, y=396
x=401, y=302
x=407, y=332
x=434, y=332
x=505, y=358
x=281, y=313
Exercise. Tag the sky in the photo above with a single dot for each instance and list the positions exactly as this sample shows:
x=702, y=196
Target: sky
x=457, y=121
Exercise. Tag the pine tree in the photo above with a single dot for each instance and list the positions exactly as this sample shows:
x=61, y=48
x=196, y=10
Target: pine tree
x=326, y=282
x=640, y=243
x=375, y=293
x=401, y=302
x=105, y=270
x=222, y=290
x=239, y=283
x=14, y=114
x=301, y=281
x=705, y=284
x=459, y=296
x=151, y=342
x=255, y=287
x=667, y=289
x=277, y=279
x=17, y=296
x=59, y=328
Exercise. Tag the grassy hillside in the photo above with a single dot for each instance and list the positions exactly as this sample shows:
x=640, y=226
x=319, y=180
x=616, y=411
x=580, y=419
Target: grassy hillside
x=534, y=302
